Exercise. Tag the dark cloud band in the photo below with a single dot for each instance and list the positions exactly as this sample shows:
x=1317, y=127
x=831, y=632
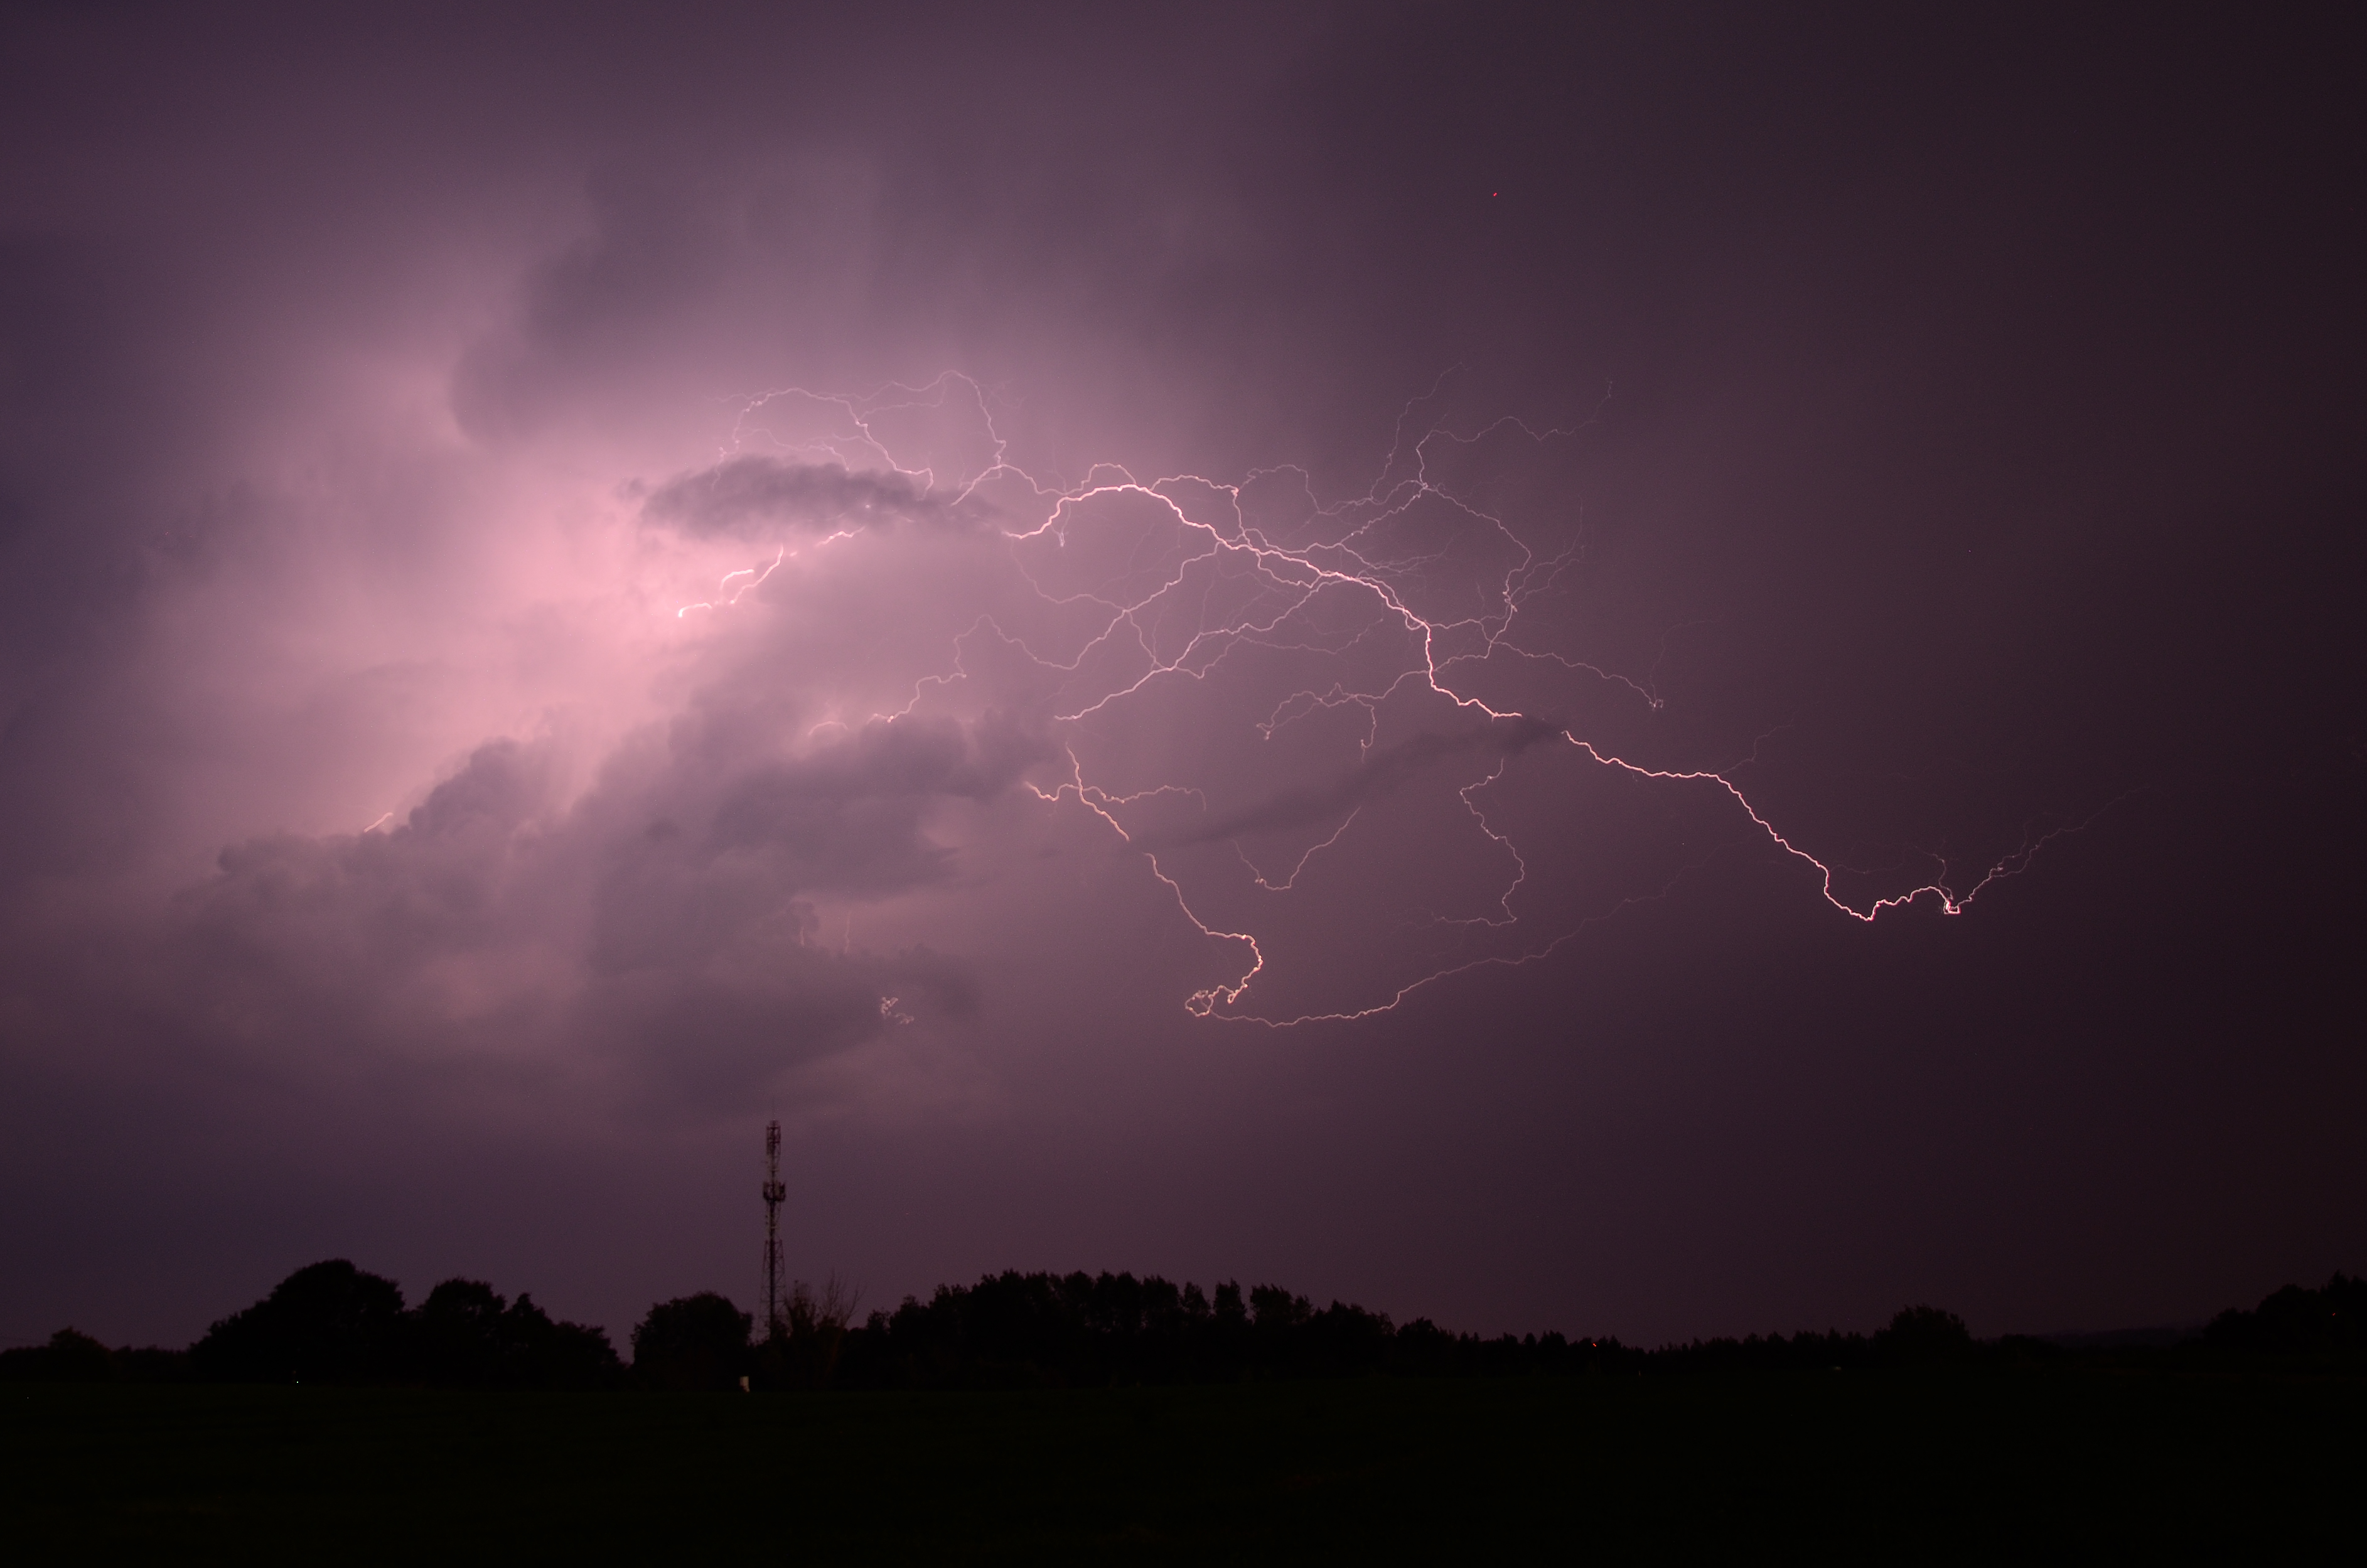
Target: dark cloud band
x=755, y=494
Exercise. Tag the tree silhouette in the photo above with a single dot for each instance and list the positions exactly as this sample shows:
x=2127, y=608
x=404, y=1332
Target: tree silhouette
x=333, y=1322
x=70, y=1357
x=466, y=1336
x=804, y=1347
x=328, y=1323
x=456, y=1334
x=2297, y=1323
x=693, y=1342
x=1923, y=1337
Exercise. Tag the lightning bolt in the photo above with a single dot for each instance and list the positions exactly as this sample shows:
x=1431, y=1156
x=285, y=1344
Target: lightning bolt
x=1347, y=590
x=726, y=595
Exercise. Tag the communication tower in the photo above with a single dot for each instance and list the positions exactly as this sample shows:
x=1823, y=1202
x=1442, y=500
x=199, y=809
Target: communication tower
x=774, y=1193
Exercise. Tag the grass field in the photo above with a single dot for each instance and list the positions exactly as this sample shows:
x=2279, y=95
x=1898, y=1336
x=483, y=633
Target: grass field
x=1932, y=1467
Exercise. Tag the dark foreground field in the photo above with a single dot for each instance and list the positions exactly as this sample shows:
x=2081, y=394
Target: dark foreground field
x=1931, y=1466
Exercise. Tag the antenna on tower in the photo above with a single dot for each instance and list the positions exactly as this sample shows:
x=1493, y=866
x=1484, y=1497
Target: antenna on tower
x=774, y=1193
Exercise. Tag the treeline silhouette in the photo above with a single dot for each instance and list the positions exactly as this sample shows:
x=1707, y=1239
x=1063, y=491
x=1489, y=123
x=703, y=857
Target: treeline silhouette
x=331, y=1323
x=1016, y=1329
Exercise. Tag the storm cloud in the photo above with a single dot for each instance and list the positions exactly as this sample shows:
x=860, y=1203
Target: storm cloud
x=1014, y=589
x=747, y=494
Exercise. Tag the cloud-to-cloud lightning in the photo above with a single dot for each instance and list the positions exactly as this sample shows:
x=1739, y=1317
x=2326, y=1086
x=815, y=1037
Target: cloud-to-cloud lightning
x=1346, y=654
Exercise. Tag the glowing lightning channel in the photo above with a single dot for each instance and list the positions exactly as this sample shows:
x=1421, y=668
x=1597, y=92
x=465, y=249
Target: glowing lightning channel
x=1292, y=880
x=727, y=596
x=1357, y=564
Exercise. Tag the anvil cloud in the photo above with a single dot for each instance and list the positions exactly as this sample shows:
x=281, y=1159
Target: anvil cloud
x=1158, y=635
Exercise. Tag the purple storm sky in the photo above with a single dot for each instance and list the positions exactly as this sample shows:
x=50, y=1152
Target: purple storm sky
x=1285, y=643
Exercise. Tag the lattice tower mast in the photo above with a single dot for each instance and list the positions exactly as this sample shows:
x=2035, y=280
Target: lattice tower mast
x=774, y=1193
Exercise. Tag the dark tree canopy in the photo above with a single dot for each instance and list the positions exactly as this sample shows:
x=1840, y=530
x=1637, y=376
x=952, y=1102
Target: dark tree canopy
x=2330, y=1323
x=693, y=1342
x=1923, y=1337
x=327, y=1323
x=1015, y=1329
x=331, y=1323
x=70, y=1357
x=466, y=1336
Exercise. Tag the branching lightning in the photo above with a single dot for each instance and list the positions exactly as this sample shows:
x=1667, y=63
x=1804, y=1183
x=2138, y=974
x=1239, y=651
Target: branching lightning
x=747, y=578
x=1361, y=584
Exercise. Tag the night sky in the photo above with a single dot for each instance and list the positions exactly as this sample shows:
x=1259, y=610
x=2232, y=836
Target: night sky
x=1285, y=645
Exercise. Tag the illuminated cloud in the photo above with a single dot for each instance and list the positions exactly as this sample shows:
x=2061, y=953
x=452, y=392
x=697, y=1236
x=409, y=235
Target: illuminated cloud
x=754, y=495
x=573, y=585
